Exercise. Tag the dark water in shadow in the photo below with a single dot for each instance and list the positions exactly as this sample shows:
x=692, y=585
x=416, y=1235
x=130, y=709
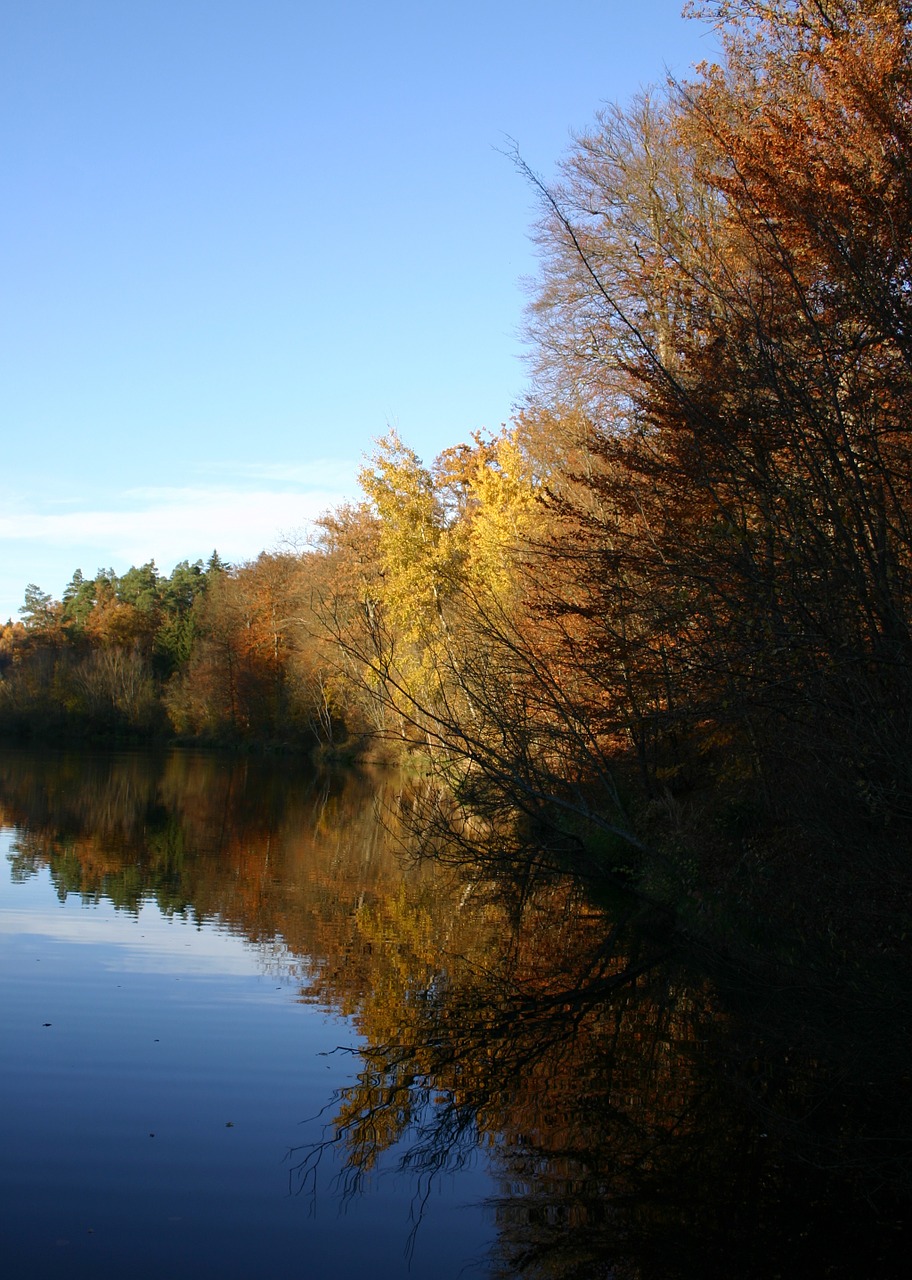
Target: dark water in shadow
x=528, y=1083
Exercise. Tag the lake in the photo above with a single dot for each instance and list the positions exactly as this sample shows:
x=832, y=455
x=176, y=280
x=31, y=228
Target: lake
x=245, y=1034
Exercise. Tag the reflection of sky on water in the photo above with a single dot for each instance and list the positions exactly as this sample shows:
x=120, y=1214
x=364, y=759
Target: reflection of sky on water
x=148, y=942
x=156, y=1072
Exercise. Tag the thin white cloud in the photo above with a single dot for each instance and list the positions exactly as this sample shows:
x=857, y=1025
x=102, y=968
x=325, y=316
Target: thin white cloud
x=176, y=522
x=43, y=541
x=324, y=473
x=149, y=943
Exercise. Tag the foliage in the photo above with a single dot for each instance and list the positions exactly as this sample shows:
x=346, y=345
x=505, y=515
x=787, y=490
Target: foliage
x=669, y=609
x=206, y=653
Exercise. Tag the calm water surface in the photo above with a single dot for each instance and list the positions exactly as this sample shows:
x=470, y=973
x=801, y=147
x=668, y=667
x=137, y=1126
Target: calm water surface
x=242, y=1037
x=179, y=958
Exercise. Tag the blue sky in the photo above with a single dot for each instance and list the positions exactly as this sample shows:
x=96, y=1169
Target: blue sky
x=241, y=238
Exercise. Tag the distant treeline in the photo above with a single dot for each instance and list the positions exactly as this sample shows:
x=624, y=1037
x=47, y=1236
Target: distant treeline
x=208, y=654
x=662, y=622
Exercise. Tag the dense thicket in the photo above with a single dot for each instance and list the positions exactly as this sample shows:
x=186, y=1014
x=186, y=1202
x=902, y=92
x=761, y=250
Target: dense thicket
x=662, y=622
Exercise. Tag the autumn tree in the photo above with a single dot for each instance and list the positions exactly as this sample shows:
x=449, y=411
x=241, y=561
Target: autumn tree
x=703, y=590
x=723, y=305
x=398, y=557
x=243, y=677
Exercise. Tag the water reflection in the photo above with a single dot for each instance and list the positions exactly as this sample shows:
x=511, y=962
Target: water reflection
x=161, y=1080
x=266, y=850
x=638, y=1126
x=645, y=1116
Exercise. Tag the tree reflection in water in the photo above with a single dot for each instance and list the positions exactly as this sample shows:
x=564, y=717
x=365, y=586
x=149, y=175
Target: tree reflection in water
x=644, y=1115
x=642, y=1120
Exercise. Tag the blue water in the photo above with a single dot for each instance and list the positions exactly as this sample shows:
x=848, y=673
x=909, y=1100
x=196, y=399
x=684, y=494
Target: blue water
x=155, y=1074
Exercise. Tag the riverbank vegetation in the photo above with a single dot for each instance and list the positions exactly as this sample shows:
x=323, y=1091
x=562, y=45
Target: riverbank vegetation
x=659, y=625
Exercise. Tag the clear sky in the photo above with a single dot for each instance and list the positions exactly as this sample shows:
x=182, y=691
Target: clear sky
x=241, y=238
